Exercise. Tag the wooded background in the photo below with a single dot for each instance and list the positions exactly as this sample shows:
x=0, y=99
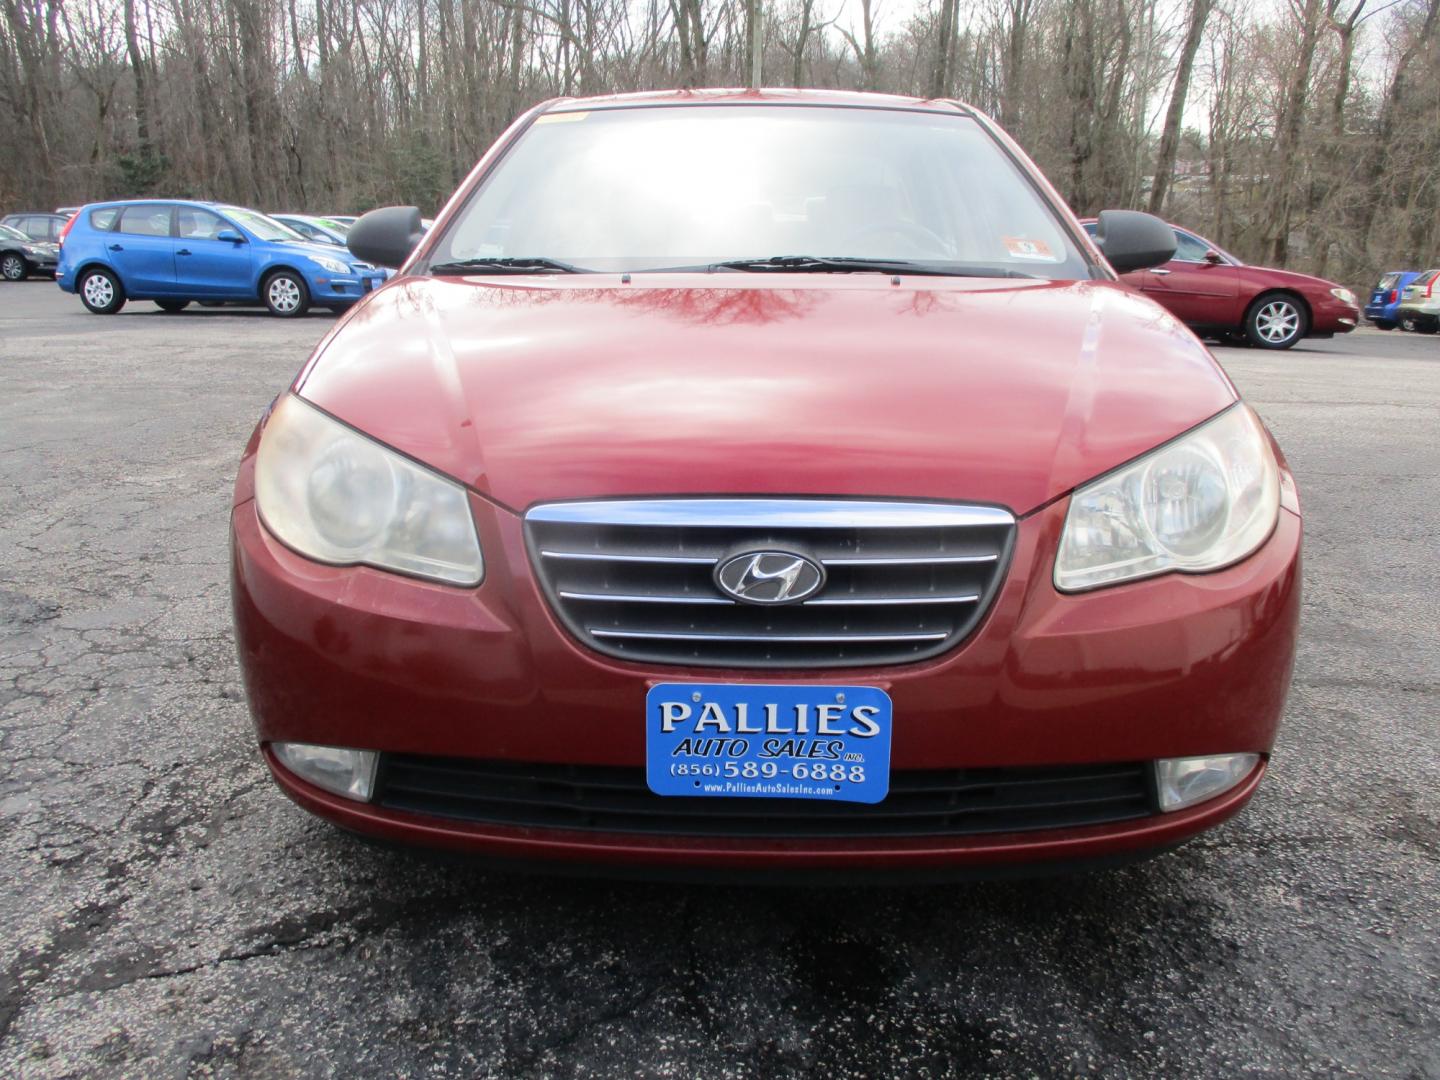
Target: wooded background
x=1301, y=133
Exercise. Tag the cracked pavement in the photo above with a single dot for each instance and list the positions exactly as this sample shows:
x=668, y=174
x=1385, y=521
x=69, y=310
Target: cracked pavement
x=168, y=913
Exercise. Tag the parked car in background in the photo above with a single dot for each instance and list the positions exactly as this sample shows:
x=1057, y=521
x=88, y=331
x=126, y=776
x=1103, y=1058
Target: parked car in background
x=1216, y=294
x=318, y=230
x=771, y=481
x=173, y=252
x=1384, y=306
x=344, y=219
x=20, y=256
x=67, y=211
x=37, y=225
x=1419, y=307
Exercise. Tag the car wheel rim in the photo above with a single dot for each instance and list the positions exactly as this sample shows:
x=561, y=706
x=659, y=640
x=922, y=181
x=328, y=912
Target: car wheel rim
x=12, y=268
x=99, y=291
x=1277, y=322
x=284, y=295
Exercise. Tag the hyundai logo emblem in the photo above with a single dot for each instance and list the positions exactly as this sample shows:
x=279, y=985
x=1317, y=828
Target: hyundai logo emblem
x=769, y=577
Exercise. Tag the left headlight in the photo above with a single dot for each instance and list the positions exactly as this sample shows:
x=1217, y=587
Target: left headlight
x=1345, y=296
x=337, y=497
x=1199, y=503
x=335, y=266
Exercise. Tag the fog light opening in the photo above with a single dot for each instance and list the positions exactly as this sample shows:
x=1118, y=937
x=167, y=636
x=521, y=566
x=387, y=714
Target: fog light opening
x=1182, y=782
x=346, y=772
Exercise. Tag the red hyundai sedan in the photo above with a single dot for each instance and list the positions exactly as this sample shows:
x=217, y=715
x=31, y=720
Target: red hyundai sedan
x=772, y=481
x=1214, y=293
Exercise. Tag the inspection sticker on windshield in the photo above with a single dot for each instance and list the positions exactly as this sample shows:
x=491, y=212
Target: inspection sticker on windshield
x=1020, y=247
x=757, y=741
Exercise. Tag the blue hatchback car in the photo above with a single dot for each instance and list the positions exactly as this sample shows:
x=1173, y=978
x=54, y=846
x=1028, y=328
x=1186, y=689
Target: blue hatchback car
x=173, y=252
x=1382, y=310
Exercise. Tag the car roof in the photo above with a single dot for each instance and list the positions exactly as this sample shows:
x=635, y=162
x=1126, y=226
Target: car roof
x=840, y=98
x=207, y=204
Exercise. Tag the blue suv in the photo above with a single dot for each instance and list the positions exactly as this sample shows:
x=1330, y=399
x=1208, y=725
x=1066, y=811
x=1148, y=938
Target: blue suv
x=1384, y=305
x=174, y=252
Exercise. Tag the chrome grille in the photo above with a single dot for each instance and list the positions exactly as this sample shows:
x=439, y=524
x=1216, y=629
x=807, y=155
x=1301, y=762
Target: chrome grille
x=903, y=581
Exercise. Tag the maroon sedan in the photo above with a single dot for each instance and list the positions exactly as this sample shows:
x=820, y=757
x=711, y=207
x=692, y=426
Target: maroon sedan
x=1214, y=293
x=771, y=481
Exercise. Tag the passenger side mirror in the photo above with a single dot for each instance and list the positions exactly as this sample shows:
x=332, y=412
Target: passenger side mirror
x=1213, y=257
x=387, y=236
x=231, y=235
x=1131, y=240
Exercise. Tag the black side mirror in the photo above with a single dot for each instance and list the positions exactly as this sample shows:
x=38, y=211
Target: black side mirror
x=1131, y=240
x=387, y=236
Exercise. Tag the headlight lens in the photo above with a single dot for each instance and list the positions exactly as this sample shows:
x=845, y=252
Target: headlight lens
x=1200, y=503
x=1345, y=296
x=335, y=266
x=337, y=497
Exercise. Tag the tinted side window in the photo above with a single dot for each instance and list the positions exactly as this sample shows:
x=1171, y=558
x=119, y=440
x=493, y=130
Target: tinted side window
x=1189, y=248
x=1387, y=281
x=34, y=227
x=146, y=220
x=104, y=220
x=53, y=227
x=194, y=224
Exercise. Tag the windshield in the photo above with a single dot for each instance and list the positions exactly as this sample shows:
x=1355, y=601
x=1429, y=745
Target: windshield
x=654, y=188
x=263, y=228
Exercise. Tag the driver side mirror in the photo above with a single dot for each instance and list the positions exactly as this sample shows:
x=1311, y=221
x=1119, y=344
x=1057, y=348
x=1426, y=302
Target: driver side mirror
x=386, y=237
x=1130, y=240
x=1213, y=257
x=231, y=235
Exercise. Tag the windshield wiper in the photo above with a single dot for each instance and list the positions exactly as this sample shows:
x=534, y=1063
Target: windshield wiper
x=511, y=264
x=830, y=264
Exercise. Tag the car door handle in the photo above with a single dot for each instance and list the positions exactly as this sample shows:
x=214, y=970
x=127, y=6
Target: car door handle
x=1157, y=270
x=183, y=251
x=117, y=247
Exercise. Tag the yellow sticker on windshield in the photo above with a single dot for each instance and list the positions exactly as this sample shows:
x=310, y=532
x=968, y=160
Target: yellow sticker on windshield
x=561, y=117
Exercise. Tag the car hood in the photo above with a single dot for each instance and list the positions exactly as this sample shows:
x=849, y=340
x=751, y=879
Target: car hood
x=533, y=389
x=1271, y=278
x=330, y=251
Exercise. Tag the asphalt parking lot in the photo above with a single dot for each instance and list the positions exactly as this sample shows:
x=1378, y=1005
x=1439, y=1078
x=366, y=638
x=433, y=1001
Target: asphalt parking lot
x=168, y=913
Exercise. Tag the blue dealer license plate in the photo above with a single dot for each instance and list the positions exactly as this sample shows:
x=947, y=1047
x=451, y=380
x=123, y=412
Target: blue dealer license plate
x=757, y=741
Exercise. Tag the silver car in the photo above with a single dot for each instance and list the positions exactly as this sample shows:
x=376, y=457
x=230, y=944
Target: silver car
x=1420, y=305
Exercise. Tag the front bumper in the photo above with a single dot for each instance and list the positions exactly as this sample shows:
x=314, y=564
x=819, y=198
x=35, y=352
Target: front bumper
x=1329, y=315
x=344, y=289
x=1170, y=667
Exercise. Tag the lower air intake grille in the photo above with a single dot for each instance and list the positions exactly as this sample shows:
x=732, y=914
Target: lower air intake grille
x=929, y=802
x=898, y=582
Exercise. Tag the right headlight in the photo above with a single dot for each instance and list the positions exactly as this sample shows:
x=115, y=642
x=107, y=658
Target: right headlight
x=335, y=266
x=1199, y=503
x=337, y=497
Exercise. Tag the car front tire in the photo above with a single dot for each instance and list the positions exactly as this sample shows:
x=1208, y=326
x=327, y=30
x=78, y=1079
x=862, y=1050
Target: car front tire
x=14, y=267
x=285, y=295
x=101, y=292
x=1276, y=321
